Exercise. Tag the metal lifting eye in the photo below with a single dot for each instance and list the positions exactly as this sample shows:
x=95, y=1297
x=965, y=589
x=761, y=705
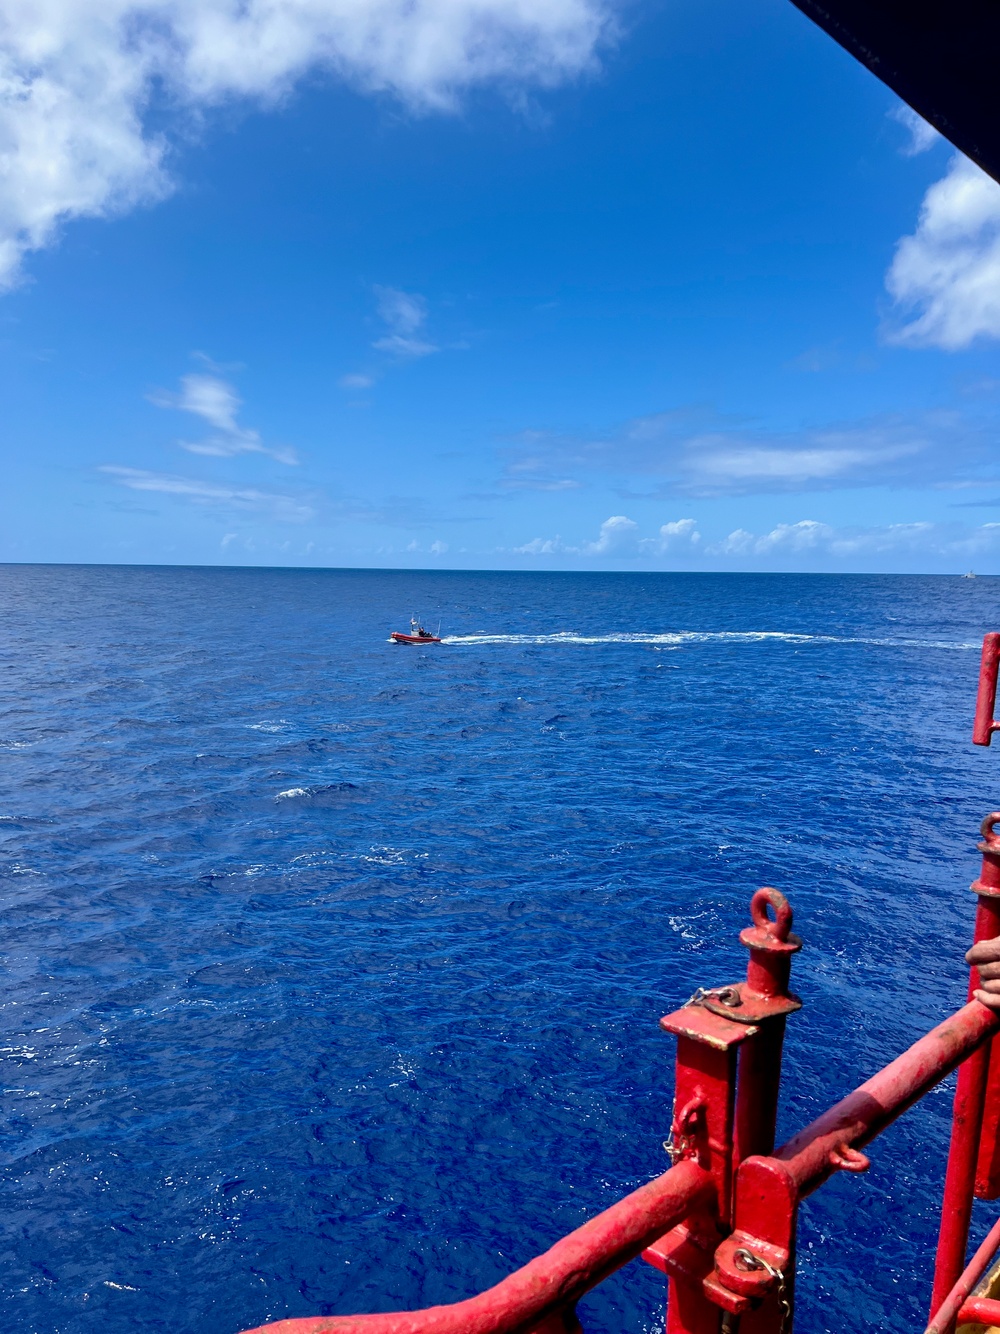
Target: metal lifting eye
x=772, y=898
x=988, y=830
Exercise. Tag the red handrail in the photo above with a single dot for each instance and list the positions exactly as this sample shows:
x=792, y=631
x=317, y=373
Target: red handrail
x=810, y=1155
x=551, y=1283
x=981, y=1310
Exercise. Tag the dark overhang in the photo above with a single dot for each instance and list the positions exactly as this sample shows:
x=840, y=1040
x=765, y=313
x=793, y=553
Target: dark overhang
x=942, y=58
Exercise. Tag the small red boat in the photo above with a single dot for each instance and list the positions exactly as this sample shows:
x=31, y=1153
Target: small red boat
x=417, y=635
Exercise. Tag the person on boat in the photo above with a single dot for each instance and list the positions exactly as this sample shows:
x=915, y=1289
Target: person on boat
x=417, y=631
x=986, y=957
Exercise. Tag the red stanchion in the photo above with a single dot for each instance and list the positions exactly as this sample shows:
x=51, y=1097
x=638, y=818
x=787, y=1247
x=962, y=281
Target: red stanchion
x=983, y=727
x=723, y=1116
x=969, y=1150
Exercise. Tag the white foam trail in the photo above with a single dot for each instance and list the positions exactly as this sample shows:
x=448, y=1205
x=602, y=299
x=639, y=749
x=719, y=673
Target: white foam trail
x=681, y=637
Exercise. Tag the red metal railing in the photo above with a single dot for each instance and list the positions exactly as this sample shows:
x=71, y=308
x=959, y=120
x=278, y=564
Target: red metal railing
x=541, y=1296
x=721, y=1223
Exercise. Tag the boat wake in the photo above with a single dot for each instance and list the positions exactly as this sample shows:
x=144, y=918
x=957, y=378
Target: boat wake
x=681, y=638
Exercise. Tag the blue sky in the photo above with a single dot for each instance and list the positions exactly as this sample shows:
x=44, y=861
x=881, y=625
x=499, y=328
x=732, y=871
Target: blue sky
x=487, y=284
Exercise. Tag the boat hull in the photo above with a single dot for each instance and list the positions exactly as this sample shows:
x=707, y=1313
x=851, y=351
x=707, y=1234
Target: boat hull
x=399, y=638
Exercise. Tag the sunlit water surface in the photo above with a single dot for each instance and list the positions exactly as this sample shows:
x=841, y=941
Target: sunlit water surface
x=333, y=968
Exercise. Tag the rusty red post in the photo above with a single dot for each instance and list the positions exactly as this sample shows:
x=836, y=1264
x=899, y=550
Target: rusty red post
x=766, y=1001
x=983, y=727
x=701, y=1131
x=748, y=1017
x=965, y=1151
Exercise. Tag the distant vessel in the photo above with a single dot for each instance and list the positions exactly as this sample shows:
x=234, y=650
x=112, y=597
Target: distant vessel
x=970, y=575
x=417, y=635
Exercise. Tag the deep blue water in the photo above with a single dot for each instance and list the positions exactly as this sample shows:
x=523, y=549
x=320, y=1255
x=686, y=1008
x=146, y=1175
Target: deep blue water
x=333, y=968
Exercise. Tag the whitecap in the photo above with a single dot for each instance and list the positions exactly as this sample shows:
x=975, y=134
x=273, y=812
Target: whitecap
x=679, y=638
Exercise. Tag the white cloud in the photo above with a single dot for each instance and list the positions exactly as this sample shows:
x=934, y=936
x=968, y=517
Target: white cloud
x=805, y=544
x=541, y=546
x=681, y=533
x=946, y=276
x=713, y=463
x=216, y=401
x=404, y=313
x=77, y=79
x=619, y=537
x=399, y=346
x=806, y=535
x=927, y=540
x=438, y=548
x=783, y=465
x=922, y=135
x=543, y=484
x=356, y=381
x=287, y=509
x=695, y=452
x=531, y=474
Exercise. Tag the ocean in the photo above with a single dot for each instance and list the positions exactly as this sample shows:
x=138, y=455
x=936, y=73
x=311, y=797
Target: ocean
x=332, y=968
